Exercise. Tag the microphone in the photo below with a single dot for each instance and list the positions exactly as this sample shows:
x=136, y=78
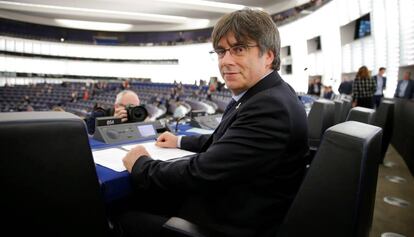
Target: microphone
x=178, y=120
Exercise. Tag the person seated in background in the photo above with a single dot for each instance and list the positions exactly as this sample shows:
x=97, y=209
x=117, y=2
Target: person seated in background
x=327, y=92
x=123, y=99
x=315, y=87
x=405, y=87
x=57, y=108
x=345, y=88
x=246, y=174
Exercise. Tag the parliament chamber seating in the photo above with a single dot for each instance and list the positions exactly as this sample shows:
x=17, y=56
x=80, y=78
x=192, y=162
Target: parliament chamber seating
x=320, y=117
x=339, y=106
x=346, y=107
x=384, y=118
x=361, y=114
x=48, y=177
x=337, y=195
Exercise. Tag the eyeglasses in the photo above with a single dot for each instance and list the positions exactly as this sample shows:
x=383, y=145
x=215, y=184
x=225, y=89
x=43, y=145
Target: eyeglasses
x=237, y=50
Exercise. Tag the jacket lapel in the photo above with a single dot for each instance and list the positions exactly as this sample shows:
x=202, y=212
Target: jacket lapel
x=271, y=80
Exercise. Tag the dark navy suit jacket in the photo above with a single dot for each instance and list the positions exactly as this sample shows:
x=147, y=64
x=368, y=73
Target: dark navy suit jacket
x=247, y=172
x=409, y=91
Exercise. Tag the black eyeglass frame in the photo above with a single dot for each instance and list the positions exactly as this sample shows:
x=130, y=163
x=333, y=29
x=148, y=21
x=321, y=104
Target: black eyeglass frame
x=221, y=52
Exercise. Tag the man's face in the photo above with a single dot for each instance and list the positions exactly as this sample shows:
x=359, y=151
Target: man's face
x=382, y=72
x=406, y=76
x=128, y=99
x=241, y=72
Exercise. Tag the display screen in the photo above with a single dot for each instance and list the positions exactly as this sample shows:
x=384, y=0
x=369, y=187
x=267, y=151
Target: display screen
x=146, y=130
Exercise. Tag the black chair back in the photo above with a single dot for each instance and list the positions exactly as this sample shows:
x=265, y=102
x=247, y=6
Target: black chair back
x=346, y=107
x=384, y=118
x=48, y=177
x=339, y=105
x=337, y=196
x=361, y=114
x=321, y=117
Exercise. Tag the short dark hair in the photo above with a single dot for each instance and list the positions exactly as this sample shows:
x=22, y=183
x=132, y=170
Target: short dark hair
x=381, y=68
x=248, y=24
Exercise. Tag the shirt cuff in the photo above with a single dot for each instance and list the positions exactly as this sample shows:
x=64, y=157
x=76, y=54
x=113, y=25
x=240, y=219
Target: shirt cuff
x=179, y=141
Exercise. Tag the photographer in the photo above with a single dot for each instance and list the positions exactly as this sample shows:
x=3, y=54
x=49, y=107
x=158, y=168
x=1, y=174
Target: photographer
x=124, y=100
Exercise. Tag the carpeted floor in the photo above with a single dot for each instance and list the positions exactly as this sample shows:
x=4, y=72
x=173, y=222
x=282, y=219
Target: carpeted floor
x=387, y=217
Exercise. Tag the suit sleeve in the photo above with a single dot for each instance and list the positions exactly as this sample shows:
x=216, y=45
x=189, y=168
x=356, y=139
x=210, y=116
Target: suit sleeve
x=396, y=90
x=255, y=142
x=193, y=143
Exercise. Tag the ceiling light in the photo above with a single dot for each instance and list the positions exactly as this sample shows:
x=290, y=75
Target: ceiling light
x=75, y=11
x=93, y=25
x=210, y=4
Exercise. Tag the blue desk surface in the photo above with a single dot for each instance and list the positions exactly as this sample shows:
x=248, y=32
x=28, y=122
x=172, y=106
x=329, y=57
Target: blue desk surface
x=116, y=185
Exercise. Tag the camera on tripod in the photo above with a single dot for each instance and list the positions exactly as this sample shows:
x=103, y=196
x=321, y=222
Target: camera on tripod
x=136, y=113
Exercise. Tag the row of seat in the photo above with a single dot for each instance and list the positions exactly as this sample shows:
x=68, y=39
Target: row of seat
x=326, y=113
x=51, y=187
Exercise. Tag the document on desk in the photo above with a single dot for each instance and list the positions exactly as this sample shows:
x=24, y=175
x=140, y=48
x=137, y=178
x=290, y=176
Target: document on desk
x=158, y=153
x=112, y=157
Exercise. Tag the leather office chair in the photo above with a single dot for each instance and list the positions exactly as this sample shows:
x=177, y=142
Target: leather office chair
x=337, y=196
x=346, y=107
x=384, y=118
x=48, y=177
x=339, y=105
x=321, y=117
x=361, y=114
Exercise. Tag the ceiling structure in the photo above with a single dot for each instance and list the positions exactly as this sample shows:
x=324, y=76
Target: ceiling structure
x=133, y=15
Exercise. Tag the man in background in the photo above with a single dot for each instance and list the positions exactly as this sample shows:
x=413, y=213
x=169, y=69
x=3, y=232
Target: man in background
x=123, y=98
x=246, y=174
x=381, y=85
x=345, y=88
x=405, y=87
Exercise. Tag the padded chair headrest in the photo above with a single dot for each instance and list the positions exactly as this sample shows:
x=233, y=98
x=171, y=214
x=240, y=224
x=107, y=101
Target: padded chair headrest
x=49, y=177
x=337, y=195
x=321, y=117
x=361, y=114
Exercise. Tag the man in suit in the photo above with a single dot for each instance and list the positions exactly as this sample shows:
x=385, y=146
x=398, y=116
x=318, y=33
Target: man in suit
x=246, y=174
x=381, y=85
x=405, y=87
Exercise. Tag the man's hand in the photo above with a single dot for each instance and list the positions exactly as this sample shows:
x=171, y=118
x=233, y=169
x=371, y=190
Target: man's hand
x=133, y=155
x=120, y=112
x=167, y=139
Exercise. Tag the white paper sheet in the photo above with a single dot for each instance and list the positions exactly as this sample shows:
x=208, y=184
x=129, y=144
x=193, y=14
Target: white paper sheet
x=158, y=153
x=200, y=131
x=110, y=158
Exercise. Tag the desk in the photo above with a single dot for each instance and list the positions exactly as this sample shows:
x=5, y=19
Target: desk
x=117, y=185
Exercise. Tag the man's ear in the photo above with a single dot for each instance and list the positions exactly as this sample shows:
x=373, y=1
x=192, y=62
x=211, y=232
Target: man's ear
x=269, y=57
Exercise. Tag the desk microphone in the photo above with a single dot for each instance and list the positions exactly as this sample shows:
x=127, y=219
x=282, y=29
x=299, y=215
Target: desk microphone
x=178, y=120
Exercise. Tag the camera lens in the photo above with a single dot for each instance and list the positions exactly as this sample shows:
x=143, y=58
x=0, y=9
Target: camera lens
x=136, y=113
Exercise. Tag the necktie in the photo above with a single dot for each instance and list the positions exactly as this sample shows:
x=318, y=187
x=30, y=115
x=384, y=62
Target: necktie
x=229, y=106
